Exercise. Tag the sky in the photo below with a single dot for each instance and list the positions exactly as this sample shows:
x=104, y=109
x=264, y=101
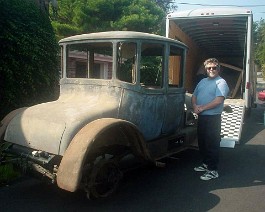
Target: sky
x=257, y=6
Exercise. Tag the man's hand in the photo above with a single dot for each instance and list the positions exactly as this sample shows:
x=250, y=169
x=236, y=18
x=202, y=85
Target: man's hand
x=198, y=109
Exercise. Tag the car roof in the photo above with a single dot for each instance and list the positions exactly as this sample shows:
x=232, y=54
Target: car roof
x=113, y=35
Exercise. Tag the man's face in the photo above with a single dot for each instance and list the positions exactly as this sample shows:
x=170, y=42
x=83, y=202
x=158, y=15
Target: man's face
x=212, y=70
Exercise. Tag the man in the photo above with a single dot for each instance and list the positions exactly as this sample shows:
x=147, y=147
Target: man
x=208, y=101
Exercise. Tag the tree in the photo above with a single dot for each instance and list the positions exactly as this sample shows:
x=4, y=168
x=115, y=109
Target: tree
x=259, y=37
x=142, y=15
x=83, y=16
x=167, y=5
x=259, y=47
x=28, y=65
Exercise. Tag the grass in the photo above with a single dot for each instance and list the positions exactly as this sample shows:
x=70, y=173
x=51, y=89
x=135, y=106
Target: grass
x=7, y=171
x=7, y=174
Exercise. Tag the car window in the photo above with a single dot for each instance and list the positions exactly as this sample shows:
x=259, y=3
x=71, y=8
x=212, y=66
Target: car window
x=126, y=56
x=175, y=73
x=151, y=64
x=89, y=60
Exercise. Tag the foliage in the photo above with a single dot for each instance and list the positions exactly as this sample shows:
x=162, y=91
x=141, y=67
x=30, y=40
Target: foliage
x=167, y=5
x=7, y=171
x=83, y=16
x=151, y=70
x=7, y=174
x=140, y=16
x=28, y=65
x=259, y=39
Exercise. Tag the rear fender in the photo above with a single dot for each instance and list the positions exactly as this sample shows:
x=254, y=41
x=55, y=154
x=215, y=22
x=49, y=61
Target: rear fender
x=6, y=120
x=70, y=170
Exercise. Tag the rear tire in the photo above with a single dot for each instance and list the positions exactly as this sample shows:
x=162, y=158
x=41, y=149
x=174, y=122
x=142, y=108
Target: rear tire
x=102, y=172
x=104, y=179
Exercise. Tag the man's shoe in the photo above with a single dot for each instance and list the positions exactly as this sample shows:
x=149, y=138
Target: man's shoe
x=210, y=175
x=201, y=168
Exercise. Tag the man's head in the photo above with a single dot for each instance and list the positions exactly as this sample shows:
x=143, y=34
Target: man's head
x=212, y=67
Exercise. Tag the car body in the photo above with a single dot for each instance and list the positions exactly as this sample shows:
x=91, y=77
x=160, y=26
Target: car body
x=121, y=94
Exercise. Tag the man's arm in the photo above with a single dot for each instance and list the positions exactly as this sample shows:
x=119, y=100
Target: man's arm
x=217, y=101
x=194, y=104
x=199, y=108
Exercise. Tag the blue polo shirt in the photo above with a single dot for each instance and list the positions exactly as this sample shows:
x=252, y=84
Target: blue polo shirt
x=207, y=90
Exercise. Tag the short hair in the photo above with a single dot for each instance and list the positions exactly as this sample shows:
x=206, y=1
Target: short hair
x=212, y=60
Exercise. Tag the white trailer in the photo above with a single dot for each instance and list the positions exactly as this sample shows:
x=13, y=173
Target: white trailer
x=226, y=34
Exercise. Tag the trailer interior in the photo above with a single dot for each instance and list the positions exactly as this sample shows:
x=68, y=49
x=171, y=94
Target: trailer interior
x=223, y=38
x=226, y=34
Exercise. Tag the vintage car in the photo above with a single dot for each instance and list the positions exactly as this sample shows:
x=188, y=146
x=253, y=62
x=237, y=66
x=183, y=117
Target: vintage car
x=122, y=96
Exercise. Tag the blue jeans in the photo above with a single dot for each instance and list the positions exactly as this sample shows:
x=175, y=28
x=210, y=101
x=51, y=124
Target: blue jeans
x=209, y=130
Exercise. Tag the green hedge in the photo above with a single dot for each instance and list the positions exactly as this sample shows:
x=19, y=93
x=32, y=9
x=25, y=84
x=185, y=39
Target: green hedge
x=28, y=60
x=7, y=174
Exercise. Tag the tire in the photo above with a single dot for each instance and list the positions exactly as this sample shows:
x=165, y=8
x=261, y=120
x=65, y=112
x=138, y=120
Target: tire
x=103, y=179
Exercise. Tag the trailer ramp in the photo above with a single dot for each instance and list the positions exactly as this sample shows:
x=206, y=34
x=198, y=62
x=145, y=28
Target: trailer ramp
x=232, y=123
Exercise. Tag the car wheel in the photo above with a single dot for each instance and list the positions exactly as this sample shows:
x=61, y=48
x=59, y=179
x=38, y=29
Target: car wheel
x=103, y=178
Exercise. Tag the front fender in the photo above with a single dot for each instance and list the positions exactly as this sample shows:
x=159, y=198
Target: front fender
x=70, y=170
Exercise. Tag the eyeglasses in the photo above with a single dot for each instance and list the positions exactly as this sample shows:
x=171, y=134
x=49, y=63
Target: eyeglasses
x=213, y=68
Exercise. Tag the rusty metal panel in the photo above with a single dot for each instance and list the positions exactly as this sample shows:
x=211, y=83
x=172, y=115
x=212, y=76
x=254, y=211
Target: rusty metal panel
x=174, y=111
x=145, y=110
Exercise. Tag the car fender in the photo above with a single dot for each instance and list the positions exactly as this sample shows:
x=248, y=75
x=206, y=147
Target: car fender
x=6, y=120
x=70, y=170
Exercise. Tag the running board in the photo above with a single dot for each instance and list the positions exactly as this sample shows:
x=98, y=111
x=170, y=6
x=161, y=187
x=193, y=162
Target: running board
x=232, y=123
